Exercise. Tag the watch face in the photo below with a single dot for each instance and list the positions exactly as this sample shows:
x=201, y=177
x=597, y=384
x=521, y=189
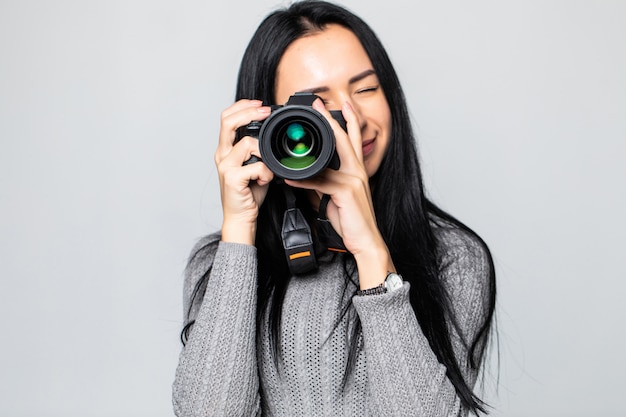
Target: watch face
x=393, y=282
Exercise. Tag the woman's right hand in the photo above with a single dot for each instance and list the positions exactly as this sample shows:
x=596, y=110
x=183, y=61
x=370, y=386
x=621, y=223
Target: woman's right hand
x=242, y=187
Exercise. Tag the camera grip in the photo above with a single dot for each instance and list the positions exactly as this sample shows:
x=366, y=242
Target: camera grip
x=252, y=130
x=252, y=160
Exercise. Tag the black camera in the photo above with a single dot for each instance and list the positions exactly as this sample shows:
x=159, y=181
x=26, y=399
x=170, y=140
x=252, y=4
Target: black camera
x=296, y=141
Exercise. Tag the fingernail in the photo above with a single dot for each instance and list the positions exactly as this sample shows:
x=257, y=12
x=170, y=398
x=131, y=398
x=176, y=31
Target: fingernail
x=318, y=105
x=264, y=109
x=347, y=106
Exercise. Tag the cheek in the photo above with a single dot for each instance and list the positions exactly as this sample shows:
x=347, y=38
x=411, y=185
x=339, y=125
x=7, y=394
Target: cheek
x=385, y=141
x=380, y=113
x=370, y=168
x=384, y=123
x=386, y=118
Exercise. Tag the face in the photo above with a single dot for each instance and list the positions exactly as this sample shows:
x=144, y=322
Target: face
x=333, y=65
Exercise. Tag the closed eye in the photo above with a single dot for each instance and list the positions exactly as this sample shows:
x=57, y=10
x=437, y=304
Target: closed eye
x=367, y=90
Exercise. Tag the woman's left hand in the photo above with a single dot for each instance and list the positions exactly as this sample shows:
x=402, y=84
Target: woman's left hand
x=350, y=209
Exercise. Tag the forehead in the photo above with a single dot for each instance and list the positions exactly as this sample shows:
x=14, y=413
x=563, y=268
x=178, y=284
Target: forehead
x=330, y=56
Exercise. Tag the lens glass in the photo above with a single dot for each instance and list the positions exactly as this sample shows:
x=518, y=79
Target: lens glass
x=296, y=142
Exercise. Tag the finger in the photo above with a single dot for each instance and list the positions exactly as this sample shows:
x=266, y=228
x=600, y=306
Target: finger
x=343, y=141
x=325, y=183
x=243, y=188
x=241, y=179
x=240, y=152
x=240, y=105
x=354, y=129
x=258, y=172
x=339, y=186
x=240, y=114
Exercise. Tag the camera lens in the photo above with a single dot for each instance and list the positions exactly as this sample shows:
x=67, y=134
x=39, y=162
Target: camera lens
x=298, y=143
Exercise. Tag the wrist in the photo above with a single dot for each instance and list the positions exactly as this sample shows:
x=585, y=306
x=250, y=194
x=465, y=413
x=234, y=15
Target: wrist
x=238, y=232
x=392, y=282
x=373, y=266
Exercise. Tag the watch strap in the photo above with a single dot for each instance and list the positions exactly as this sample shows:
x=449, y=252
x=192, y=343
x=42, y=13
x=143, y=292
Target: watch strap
x=393, y=281
x=380, y=289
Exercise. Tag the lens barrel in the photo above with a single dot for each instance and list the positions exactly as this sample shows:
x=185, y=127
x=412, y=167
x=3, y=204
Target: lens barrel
x=296, y=142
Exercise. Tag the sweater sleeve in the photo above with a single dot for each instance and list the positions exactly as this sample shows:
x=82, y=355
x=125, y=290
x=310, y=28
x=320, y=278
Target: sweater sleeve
x=217, y=369
x=405, y=377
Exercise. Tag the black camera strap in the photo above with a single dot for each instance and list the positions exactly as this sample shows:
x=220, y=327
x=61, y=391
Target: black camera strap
x=296, y=236
x=325, y=231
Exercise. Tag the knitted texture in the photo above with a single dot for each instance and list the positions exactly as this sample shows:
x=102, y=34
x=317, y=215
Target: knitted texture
x=226, y=370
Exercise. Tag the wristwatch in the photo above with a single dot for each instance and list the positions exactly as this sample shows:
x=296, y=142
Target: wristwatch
x=392, y=282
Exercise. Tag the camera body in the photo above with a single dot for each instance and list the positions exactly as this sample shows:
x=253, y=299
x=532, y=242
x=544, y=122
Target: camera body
x=296, y=141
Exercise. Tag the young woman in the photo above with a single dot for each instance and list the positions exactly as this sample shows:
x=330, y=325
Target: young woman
x=397, y=323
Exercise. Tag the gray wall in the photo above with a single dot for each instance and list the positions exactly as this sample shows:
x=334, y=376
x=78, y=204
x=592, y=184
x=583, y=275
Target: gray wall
x=108, y=121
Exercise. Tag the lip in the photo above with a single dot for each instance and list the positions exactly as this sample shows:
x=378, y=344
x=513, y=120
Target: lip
x=368, y=146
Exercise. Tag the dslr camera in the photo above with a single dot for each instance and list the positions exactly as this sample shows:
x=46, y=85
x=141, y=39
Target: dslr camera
x=296, y=141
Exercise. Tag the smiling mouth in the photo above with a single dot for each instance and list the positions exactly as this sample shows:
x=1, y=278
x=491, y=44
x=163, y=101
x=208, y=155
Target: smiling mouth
x=368, y=146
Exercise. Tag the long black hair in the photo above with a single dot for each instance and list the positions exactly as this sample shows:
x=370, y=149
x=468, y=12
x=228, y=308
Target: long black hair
x=405, y=215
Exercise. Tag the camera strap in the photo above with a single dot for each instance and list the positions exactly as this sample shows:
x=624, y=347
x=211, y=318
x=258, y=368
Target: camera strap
x=325, y=231
x=298, y=240
x=296, y=237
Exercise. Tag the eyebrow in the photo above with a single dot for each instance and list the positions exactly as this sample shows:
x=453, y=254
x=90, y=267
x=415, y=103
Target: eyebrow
x=352, y=80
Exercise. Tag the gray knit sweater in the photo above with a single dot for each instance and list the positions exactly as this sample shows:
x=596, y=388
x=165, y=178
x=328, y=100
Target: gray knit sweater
x=226, y=369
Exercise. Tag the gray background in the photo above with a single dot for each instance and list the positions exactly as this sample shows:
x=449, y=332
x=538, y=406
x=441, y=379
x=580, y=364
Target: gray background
x=109, y=116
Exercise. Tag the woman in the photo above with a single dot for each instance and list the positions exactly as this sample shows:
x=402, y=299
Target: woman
x=396, y=325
